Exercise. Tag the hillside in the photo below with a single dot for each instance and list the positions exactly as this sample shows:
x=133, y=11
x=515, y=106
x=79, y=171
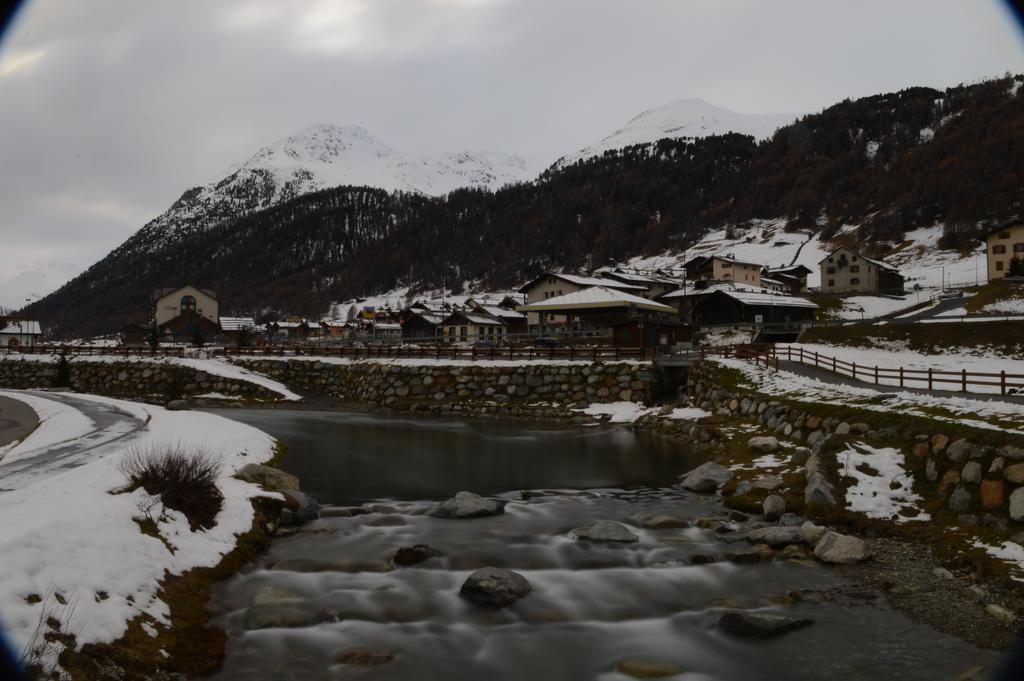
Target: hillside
x=867, y=171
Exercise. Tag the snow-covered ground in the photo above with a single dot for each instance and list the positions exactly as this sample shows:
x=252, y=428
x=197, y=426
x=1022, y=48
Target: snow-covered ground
x=988, y=414
x=869, y=307
x=1008, y=306
x=214, y=367
x=895, y=354
x=922, y=262
x=628, y=412
x=65, y=533
x=882, y=487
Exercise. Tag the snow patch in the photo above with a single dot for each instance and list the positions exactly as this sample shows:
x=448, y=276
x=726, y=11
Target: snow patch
x=885, y=489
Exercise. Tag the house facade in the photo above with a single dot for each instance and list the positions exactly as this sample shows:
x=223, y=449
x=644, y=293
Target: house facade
x=847, y=271
x=469, y=327
x=723, y=268
x=554, y=284
x=1001, y=248
x=17, y=332
x=186, y=312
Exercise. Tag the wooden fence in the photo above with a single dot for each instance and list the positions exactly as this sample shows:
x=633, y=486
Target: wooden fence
x=930, y=378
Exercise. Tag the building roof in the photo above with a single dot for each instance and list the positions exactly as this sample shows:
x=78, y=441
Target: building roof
x=237, y=323
x=477, y=318
x=578, y=280
x=791, y=270
x=434, y=319
x=595, y=297
x=288, y=325
x=387, y=326
x=719, y=286
x=702, y=260
x=878, y=263
x=1003, y=228
x=641, y=278
x=500, y=312
x=767, y=299
x=20, y=327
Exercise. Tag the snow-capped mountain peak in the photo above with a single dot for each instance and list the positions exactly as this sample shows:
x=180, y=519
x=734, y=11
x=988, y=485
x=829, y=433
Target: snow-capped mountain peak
x=683, y=118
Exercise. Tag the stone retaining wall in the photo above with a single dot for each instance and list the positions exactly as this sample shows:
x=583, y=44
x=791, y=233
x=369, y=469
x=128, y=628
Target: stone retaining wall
x=979, y=477
x=128, y=379
x=538, y=389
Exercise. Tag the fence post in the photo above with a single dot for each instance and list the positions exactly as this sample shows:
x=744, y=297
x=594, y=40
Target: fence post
x=834, y=365
x=1002, y=382
x=572, y=352
x=901, y=377
x=815, y=359
x=929, y=378
x=963, y=380
x=855, y=371
x=876, y=374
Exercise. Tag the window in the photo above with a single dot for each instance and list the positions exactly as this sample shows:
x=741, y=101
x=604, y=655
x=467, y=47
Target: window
x=726, y=265
x=831, y=259
x=855, y=281
x=855, y=258
x=855, y=268
x=999, y=249
x=999, y=266
x=831, y=270
x=1004, y=235
x=1018, y=248
x=831, y=282
x=188, y=304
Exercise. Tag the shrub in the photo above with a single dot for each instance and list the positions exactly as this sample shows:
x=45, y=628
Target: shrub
x=173, y=390
x=62, y=379
x=185, y=480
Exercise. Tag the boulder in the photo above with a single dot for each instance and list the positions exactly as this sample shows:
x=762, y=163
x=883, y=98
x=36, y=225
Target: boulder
x=756, y=625
x=1014, y=473
x=1011, y=452
x=959, y=450
x=971, y=472
x=364, y=657
x=664, y=522
x=755, y=554
x=647, y=669
x=840, y=548
x=268, y=477
x=300, y=508
x=178, y=405
x=763, y=443
x=930, y=471
x=812, y=533
x=775, y=536
x=414, y=555
x=707, y=477
x=1017, y=504
x=960, y=500
x=496, y=587
x=842, y=429
x=768, y=482
x=773, y=506
x=818, y=491
x=991, y=494
x=949, y=479
x=467, y=505
x=790, y=520
x=939, y=442
x=605, y=531
x=1004, y=615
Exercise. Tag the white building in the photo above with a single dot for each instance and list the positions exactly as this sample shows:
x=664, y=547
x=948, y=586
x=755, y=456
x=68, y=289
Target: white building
x=19, y=333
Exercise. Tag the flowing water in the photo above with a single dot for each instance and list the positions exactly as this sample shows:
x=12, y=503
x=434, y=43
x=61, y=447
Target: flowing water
x=591, y=606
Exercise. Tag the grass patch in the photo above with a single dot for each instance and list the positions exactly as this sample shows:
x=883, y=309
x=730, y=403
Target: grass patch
x=993, y=293
x=185, y=480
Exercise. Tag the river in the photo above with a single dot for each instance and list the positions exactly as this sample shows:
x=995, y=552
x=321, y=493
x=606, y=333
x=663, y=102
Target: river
x=592, y=605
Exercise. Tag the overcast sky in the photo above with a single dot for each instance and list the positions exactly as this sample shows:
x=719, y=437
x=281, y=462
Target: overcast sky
x=110, y=109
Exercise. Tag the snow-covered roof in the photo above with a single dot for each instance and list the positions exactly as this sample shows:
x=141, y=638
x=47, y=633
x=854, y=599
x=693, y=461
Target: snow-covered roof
x=640, y=278
x=434, y=319
x=584, y=281
x=20, y=327
x=288, y=325
x=711, y=288
x=765, y=298
x=236, y=323
x=387, y=326
x=501, y=312
x=595, y=297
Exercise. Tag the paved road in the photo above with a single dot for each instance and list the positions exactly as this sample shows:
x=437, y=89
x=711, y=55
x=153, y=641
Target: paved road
x=944, y=305
x=16, y=420
x=110, y=426
x=837, y=379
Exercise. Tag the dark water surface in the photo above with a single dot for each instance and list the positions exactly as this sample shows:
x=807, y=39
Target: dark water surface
x=344, y=458
x=591, y=606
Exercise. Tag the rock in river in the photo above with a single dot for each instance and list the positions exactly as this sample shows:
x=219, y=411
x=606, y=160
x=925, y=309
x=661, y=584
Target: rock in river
x=763, y=443
x=773, y=506
x=268, y=477
x=606, y=531
x=706, y=477
x=647, y=669
x=775, y=536
x=494, y=586
x=840, y=548
x=365, y=657
x=413, y=555
x=467, y=505
x=753, y=625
